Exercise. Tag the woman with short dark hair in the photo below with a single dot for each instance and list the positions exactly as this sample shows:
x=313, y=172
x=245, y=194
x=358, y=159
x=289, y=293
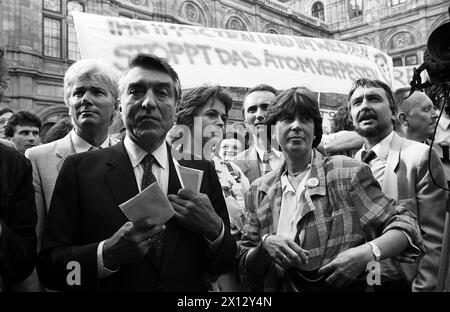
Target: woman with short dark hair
x=315, y=223
x=202, y=114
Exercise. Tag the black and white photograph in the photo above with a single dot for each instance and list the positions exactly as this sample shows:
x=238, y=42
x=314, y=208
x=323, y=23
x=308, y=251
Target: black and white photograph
x=223, y=152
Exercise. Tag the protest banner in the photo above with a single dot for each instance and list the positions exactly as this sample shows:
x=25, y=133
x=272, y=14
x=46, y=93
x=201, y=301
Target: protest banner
x=327, y=116
x=203, y=55
x=402, y=76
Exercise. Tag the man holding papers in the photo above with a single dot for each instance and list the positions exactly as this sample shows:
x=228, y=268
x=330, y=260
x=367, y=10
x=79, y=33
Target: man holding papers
x=121, y=212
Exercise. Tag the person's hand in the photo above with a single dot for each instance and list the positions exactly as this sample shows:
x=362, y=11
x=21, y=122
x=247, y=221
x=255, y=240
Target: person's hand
x=196, y=212
x=130, y=243
x=347, y=266
x=284, y=251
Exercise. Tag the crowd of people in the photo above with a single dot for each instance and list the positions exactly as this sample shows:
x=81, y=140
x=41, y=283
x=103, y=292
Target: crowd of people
x=296, y=210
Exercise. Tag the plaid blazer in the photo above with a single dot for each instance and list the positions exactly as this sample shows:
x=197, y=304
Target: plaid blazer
x=346, y=209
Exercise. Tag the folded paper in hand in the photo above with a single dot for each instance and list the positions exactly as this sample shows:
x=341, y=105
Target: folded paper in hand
x=151, y=203
x=190, y=178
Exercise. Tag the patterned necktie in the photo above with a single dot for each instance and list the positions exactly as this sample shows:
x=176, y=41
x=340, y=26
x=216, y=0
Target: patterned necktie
x=367, y=157
x=148, y=178
x=265, y=163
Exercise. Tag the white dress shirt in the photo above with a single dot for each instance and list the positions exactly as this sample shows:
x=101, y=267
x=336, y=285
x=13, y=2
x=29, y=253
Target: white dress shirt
x=291, y=210
x=378, y=164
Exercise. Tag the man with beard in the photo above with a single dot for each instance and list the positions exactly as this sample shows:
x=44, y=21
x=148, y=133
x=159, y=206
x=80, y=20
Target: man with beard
x=401, y=167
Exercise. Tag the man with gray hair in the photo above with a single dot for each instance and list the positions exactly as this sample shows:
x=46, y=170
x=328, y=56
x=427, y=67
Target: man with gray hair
x=91, y=95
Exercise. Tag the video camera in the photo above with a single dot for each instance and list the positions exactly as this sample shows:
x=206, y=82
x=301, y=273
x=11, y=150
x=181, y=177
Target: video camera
x=436, y=60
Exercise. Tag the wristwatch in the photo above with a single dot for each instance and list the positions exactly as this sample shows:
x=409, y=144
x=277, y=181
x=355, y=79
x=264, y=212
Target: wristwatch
x=375, y=251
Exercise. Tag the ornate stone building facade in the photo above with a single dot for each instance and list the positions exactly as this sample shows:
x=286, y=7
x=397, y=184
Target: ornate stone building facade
x=40, y=42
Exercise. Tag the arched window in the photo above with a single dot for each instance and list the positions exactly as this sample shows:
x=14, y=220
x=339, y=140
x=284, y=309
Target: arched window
x=73, y=51
x=59, y=37
x=317, y=10
x=355, y=8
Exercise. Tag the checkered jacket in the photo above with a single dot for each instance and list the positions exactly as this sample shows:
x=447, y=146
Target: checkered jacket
x=346, y=209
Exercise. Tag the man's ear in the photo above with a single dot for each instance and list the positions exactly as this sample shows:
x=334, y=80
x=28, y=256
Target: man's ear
x=403, y=118
x=113, y=116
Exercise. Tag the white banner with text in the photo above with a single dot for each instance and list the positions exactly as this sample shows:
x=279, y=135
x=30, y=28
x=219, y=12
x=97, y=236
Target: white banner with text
x=204, y=55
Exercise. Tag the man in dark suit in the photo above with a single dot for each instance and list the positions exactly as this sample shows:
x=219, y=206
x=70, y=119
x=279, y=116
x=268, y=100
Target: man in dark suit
x=17, y=218
x=87, y=231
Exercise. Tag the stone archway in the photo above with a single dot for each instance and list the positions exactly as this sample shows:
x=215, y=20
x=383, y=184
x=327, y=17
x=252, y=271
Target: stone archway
x=235, y=20
x=49, y=116
x=53, y=114
x=401, y=37
x=272, y=29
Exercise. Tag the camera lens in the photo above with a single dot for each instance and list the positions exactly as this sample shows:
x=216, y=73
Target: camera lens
x=439, y=43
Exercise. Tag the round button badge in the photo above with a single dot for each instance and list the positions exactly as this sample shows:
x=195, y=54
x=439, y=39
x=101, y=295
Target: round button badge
x=312, y=182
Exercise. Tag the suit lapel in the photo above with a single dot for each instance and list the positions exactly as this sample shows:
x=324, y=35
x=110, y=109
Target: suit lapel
x=269, y=209
x=64, y=148
x=274, y=196
x=390, y=181
x=253, y=164
x=119, y=172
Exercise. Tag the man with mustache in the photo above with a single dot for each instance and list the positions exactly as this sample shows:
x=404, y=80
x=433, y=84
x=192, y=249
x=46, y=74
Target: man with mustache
x=416, y=115
x=90, y=93
x=401, y=167
x=85, y=224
